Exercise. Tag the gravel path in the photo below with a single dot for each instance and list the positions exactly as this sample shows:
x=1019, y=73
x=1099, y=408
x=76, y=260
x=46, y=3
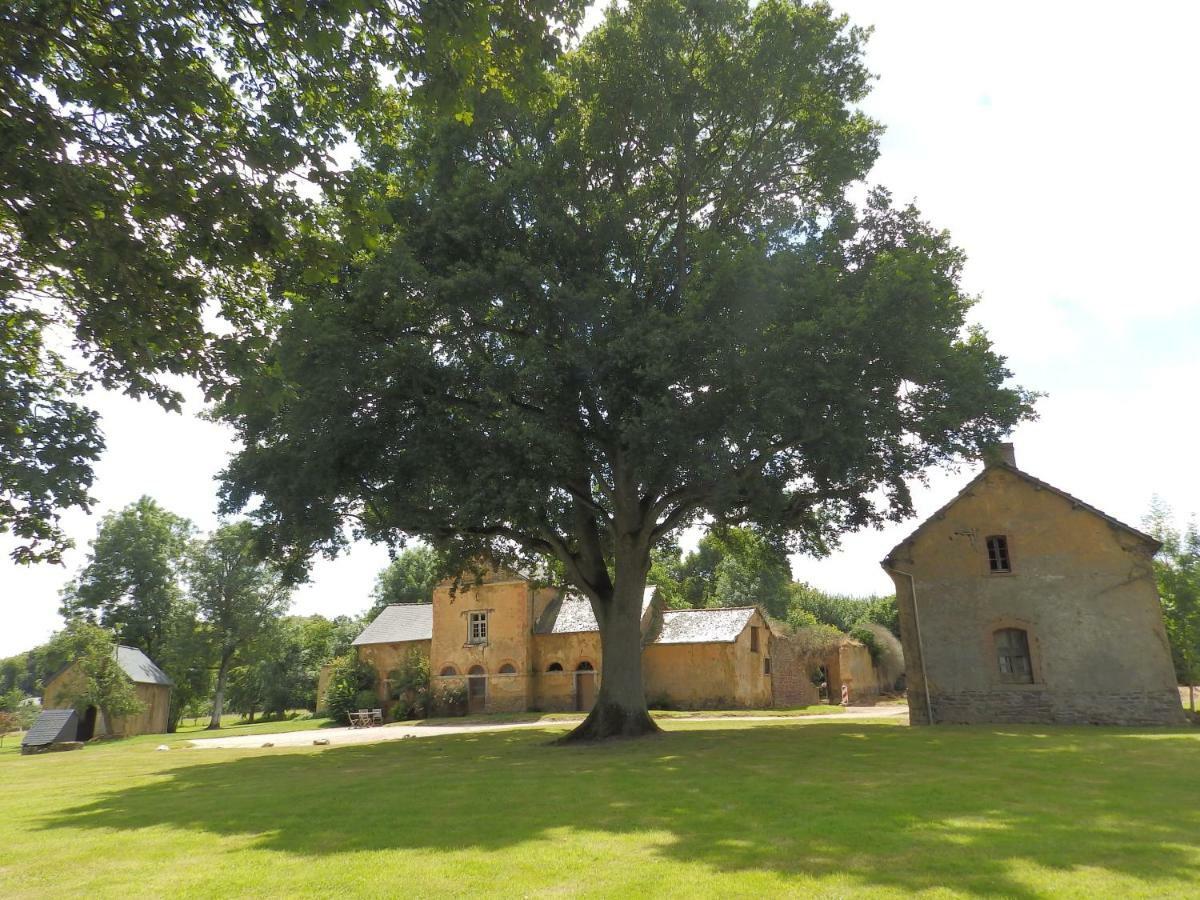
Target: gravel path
x=399, y=731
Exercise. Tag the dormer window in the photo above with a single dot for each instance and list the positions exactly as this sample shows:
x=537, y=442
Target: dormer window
x=477, y=627
x=997, y=549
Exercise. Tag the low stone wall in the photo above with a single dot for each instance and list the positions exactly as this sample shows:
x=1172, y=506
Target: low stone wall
x=1048, y=707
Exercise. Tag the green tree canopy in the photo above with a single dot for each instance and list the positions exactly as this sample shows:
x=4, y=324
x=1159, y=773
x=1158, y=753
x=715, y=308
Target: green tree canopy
x=238, y=595
x=132, y=580
x=410, y=578
x=150, y=155
x=1177, y=572
x=600, y=312
x=734, y=566
x=102, y=682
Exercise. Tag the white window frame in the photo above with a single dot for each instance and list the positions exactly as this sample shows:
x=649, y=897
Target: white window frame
x=477, y=627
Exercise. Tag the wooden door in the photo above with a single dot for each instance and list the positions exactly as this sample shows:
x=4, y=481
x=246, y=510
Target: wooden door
x=585, y=690
x=476, y=691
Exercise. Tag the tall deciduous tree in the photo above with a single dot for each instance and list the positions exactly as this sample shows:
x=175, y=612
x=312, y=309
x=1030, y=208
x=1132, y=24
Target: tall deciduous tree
x=640, y=296
x=132, y=580
x=410, y=578
x=149, y=157
x=237, y=594
x=1177, y=571
x=734, y=566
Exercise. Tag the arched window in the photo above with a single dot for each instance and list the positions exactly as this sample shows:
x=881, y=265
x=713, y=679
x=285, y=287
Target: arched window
x=1012, y=655
x=508, y=669
x=554, y=667
x=477, y=672
x=449, y=671
x=584, y=666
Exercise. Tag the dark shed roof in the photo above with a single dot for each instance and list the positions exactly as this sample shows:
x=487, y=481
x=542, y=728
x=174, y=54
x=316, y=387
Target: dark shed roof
x=52, y=726
x=398, y=623
x=139, y=668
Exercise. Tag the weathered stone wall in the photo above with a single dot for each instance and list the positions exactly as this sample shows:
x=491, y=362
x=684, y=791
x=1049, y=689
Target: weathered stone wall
x=1081, y=587
x=1040, y=706
x=555, y=691
x=791, y=674
x=850, y=664
x=711, y=675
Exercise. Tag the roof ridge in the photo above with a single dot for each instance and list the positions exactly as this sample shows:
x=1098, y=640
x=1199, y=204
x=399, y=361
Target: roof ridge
x=710, y=608
x=1033, y=479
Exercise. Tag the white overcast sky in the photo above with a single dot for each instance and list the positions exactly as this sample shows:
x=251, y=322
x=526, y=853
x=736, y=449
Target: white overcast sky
x=1058, y=144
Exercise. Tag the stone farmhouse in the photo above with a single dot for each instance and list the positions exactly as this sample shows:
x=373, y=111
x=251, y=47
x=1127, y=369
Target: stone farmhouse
x=1021, y=603
x=151, y=684
x=514, y=645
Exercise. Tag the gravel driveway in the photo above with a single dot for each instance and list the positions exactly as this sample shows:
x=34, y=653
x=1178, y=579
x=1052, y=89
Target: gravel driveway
x=340, y=737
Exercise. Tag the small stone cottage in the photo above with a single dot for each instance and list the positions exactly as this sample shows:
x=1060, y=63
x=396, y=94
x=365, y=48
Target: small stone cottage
x=151, y=684
x=1021, y=603
x=512, y=645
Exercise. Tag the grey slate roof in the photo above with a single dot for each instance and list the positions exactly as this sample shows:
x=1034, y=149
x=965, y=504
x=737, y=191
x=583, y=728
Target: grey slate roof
x=52, y=725
x=139, y=668
x=398, y=623
x=703, y=626
x=1036, y=482
x=572, y=614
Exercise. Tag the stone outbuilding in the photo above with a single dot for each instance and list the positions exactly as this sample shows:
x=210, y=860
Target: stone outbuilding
x=510, y=644
x=1021, y=603
x=811, y=665
x=400, y=629
x=151, y=684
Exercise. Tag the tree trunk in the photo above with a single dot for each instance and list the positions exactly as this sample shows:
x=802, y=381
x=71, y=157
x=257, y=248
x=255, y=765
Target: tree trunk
x=620, y=707
x=219, y=698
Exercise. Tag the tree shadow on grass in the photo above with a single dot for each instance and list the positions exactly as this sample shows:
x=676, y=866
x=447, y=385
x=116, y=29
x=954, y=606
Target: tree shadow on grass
x=885, y=806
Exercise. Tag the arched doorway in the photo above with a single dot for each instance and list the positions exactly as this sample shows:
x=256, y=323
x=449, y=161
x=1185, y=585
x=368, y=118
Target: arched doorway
x=476, y=689
x=87, y=725
x=585, y=686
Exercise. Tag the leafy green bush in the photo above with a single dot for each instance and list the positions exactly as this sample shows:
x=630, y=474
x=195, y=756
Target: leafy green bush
x=409, y=687
x=366, y=699
x=350, y=677
x=867, y=638
x=450, y=699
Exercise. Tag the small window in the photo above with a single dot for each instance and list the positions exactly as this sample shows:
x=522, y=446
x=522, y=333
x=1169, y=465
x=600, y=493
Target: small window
x=584, y=666
x=508, y=669
x=766, y=665
x=997, y=548
x=449, y=672
x=753, y=638
x=554, y=667
x=1012, y=651
x=477, y=628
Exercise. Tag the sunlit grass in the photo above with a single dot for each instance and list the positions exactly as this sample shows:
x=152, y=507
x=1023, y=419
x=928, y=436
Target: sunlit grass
x=726, y=808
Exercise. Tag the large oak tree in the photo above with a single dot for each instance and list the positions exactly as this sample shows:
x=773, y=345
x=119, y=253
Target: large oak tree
x=640, y=297
x=150, y=156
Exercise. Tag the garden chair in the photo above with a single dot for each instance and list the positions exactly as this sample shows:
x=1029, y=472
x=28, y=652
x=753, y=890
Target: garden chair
x=376, y=717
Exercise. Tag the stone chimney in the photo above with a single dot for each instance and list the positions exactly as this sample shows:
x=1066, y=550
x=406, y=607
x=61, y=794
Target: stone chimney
x=1001, y=454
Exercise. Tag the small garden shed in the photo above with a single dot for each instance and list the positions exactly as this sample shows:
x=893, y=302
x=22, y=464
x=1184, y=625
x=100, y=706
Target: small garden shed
x=151, y=684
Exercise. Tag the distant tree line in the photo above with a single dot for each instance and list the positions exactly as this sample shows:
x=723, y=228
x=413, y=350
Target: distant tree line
x=208, y=609
x=734, y=566
x=1177, y=573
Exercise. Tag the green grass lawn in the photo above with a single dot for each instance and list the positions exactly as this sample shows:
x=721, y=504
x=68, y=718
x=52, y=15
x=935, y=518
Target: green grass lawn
x=727, y=808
